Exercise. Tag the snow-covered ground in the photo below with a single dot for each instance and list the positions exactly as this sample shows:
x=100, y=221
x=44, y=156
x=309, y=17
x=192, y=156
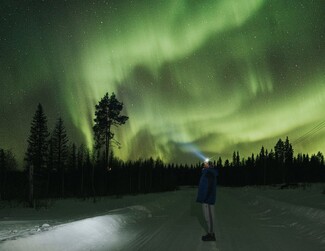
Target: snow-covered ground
x=250, y=218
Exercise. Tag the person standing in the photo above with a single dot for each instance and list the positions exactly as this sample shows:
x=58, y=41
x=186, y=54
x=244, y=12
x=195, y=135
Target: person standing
x=207, y=196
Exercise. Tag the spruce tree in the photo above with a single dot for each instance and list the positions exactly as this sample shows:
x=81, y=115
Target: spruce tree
x=60, y=151
x=279, y=152
x=37, y=150
x=81, y=167
x=288, y=152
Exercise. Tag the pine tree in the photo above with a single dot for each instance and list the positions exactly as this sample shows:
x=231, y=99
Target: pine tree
x=72, y=163
x=237, y=159
x=234, y=159
x=81, y=167
x=284, y=156
x=288, y=152
x=37, y=150
x=279, y=151
x=219, y=163
x=60, y=151
x=263, y=163
x=320, y=158
x=107, y=114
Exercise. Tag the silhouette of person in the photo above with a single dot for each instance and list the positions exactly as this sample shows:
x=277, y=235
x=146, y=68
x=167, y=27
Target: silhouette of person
x=207, y=196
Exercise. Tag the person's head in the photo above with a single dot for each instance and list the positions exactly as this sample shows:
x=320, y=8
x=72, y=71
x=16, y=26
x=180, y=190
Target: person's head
x=207, y=164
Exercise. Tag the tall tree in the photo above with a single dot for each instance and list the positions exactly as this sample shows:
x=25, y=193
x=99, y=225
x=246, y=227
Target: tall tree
x=288, y=152
x=37, y=150
x=263, y=156
x=320, y=158
x=81, y=167
x=60, y=150
x=237, y=159
x=279, y=152
x=234, y=159
x=107, y=114
x=72, y=162
x=219, y=162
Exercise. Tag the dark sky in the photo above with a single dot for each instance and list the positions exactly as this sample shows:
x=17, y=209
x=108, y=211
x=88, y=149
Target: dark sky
x=197, y=78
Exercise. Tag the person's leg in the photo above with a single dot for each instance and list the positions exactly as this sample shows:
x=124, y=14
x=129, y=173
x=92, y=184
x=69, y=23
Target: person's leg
x=208, y=212
x=206, y=215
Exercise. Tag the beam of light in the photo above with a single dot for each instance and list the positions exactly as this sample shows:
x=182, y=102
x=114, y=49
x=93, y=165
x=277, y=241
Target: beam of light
x=88, y=234
x=191, y=148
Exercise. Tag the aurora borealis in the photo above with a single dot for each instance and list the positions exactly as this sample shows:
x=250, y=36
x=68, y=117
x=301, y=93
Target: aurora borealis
x=210, y=76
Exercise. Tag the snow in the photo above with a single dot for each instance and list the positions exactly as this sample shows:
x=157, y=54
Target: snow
x=249, y=218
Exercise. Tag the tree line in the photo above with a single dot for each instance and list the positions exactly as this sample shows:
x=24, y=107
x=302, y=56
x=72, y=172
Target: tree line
x=277, y=166
x=56, y=168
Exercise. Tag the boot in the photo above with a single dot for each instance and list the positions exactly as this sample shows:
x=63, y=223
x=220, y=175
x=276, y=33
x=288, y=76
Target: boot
x=209, y=237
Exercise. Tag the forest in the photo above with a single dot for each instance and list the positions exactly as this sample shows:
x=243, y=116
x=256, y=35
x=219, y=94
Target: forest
x=56, y=168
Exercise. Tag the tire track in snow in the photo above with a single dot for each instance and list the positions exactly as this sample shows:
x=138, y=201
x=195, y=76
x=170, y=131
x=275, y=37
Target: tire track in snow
x=176, y=228
x=251, y=222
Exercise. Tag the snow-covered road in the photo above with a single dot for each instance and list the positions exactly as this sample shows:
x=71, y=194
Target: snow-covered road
x=246, y=219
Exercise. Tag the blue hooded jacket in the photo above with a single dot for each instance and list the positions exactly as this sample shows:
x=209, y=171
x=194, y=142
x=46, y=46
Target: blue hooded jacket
x=207, y=186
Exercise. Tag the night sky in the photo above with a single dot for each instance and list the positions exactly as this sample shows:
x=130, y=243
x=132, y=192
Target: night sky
x=195, y=77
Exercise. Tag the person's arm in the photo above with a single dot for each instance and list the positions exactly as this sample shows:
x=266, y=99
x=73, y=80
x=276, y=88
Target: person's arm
x=210, y=177
x=203, y=187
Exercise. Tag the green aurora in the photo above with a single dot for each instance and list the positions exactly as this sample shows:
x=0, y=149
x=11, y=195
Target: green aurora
x=216, y=76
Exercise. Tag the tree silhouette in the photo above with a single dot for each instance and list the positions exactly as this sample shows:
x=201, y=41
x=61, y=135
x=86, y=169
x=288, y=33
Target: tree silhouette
x=81, y=156
x=262, y=158
x=72, y=161
x=107, y=114
x=279, y=151
x=37, y=150
x=60, y=150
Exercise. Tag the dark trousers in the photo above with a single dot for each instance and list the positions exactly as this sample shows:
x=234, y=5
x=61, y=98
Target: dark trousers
x=208, y=212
